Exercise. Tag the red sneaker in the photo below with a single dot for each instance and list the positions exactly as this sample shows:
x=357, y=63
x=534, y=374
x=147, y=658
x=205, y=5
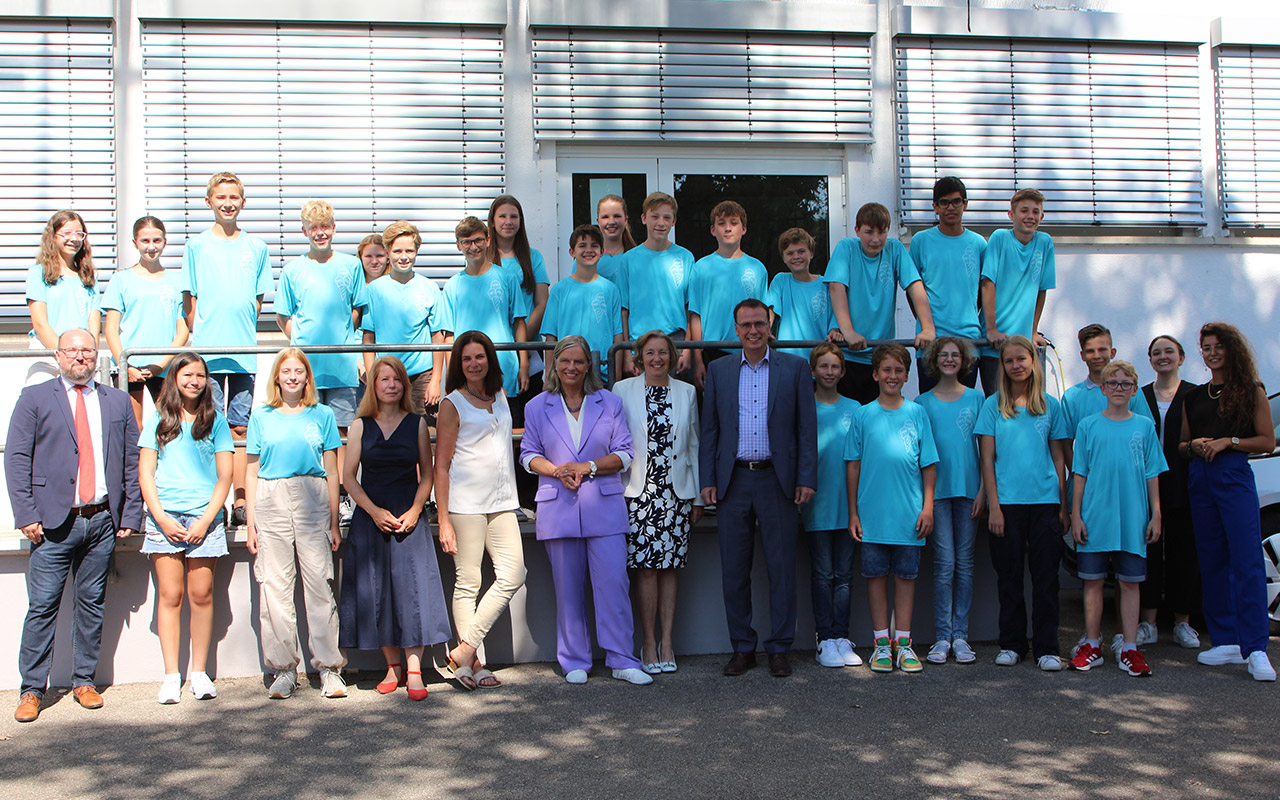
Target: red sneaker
x=1087, y=657
x=1134, y=663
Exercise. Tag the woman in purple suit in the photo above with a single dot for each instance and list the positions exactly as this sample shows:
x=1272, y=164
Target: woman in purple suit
x=577, y=442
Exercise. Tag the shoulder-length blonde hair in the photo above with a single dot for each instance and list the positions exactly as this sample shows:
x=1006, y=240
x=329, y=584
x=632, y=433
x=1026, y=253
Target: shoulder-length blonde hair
x=591, y=382
x=274, y=398
x=1036, y=404
x=370, y=405
x=48, y=258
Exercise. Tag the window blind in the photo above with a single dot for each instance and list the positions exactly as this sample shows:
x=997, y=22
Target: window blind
x=632, y=84
x=385, y=122
x=1110, y=132
x=57, y=142
x=1248, y=111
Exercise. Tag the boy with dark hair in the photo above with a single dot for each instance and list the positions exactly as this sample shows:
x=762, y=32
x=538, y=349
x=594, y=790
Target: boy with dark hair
x=585, y=304
x=798, y=298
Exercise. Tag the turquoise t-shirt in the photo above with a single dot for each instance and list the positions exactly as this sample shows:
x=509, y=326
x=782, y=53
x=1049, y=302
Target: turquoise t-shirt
x=893, y=446
x=489, y=303
x=717, y=284
x=1086, y=399
x=149, y=309
x=1020, y=272
x=405, y=313
x=1024, y=467
x=289, y=445
x=186, y=469
x=959, y=473
x=67, y=302
x=950, y=267
x=653, y=285
x=592, y=310
x=803, y=310
x=320, y=299
x=608, y=266
x=1116, y=457
x=829, y=508
x=226, y=278
x=869, y=286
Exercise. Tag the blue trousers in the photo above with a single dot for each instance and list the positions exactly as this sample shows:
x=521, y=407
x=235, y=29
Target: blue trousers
x=831, y=556
x=1224, y=510
x=81, y=547
x=756, y=496
x=953, y=540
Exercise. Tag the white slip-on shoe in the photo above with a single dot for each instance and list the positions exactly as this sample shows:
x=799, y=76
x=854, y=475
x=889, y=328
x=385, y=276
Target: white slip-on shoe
x=202, y=687
x=1260, y=666
x=170, y=690
x=829, y=654
x=851, y=658
x=577, y=676
x=633, y=676
x=1007, y=658
x=1220, y=655
x=1049, y=663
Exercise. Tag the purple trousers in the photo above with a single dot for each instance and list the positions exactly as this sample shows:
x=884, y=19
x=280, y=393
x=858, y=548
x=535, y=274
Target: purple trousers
x=604, y=558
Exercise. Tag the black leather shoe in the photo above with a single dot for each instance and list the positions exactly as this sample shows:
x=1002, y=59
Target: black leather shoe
x=779, y=665
x=739, y=663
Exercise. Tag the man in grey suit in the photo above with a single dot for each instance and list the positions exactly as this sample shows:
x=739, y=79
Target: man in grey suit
x=758, y=460
x=71, y=463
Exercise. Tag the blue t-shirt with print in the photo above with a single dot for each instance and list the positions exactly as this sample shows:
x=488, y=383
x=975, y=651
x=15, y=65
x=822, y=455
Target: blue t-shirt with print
x=186, y=468
x=1025, y=474
x=226, y=277
x=951, y=268
x=829, y=508
x=803, y=310
x=717, y=284
x=405, y=313
x=1116, y=457
x=953, y=421
x=289, y=445
x=869, y=285
x=489, y=303
x=67, y=302
x=149, y=309
x=319, y=297
x=653, y=285
x=1020, y=272
x=894, y=445
x=592, y=310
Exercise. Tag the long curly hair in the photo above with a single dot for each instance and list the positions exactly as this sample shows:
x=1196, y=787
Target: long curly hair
x=1239, y=398
x=169, y=404
x=49, y=260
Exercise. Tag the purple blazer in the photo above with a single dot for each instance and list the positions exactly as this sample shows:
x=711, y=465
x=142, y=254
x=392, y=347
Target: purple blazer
x=598, y=508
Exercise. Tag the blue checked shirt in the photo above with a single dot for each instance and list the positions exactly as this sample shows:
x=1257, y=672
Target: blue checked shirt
x=753, y=410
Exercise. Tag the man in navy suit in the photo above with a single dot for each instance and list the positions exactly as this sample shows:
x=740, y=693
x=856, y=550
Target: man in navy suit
x=71, y=463
x=758, y=460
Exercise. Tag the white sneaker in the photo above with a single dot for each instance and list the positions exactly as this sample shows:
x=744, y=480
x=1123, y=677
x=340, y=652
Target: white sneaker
x=170, y=690
x=938, y=653
x=283, y=685
x=1049, y=663
x=1260, y=666
x=964, y=653
x=576, y=676
x=1147, y=633
x=1117, y=642
x=201, y=687
x=332, y=684
x=346, y=510
x=829, y=654
x=633, y=676
x=1186, y=636
x=1222, y=654
x=1007, y=658
x=845, y=648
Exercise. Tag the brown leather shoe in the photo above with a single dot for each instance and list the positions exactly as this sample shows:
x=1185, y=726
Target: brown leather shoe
x=779, y=665
x=28, y=707
x=87, y=696
x=739, y=663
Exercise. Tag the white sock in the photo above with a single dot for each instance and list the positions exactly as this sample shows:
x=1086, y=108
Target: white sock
x=1093, y=642
x=880, y=633
x=1127, y=646
x=901, y=634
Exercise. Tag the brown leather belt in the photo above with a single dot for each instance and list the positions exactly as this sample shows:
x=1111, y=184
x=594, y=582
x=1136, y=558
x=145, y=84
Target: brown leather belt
x=89, y=510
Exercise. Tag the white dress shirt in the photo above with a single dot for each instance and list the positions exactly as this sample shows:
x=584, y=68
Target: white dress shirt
x=94, y=411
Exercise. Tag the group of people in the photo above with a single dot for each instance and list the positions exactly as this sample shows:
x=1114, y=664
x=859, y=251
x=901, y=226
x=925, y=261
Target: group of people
x=618, y=478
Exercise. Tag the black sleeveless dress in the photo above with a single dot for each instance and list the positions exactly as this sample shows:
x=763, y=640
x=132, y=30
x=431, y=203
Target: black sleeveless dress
x=391, y=590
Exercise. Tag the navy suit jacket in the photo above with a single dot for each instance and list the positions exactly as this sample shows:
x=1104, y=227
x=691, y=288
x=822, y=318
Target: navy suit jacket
x=793, y=422
x=40, y=457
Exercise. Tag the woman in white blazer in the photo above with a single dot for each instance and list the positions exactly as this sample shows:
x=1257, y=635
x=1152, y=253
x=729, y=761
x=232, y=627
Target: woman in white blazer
x=661, y=489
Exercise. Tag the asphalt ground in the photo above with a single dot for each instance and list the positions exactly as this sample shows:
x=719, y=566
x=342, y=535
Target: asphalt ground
x=951, y=731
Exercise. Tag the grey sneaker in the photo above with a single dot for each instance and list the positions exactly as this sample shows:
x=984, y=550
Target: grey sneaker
x=331, y=684
x=1049, y=663
x=1186, y=636
x=285, y=682
x=964, y=653
x=1007, y=658
x=1147, y=634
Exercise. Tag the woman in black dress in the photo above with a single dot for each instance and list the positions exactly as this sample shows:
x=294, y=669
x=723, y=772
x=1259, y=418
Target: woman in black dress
x=391, y=593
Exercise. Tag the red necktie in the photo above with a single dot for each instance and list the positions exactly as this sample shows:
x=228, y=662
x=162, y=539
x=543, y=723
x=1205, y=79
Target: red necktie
x=84, y=443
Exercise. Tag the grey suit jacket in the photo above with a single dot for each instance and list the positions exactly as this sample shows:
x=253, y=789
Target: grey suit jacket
x=793, y=422
x=40, y=457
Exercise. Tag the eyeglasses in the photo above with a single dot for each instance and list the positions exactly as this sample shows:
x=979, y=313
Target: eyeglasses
x=77, y=351
x=1122, y=386
x=73, y=235
x=954, y=202
x=477, y=241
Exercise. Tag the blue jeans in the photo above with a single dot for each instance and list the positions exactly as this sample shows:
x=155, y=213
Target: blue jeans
x=953, y=538
x=831, y=554
x=81, y=547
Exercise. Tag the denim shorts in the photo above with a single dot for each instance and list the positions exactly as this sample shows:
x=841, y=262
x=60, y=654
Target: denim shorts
x=341, y=400
x=239, y=385
x=902, y=559
x=1130, y=568
x=213, y=545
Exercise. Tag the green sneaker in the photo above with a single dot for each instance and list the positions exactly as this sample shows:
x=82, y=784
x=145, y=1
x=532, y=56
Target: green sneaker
x=907, y=661
x=882, y=657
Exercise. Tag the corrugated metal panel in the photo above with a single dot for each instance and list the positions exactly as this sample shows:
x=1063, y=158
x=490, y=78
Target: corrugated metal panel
x=601, y=84
x=385, y=122
x=1248, y=110
x=57, y=141
x=1109, y=132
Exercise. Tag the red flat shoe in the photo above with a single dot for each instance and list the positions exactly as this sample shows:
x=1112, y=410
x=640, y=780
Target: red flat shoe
x=416, y=694
x=387, y=687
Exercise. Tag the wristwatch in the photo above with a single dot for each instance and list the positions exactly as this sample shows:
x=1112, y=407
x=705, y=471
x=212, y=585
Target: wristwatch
x=593, y=467
x=1235, y=441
